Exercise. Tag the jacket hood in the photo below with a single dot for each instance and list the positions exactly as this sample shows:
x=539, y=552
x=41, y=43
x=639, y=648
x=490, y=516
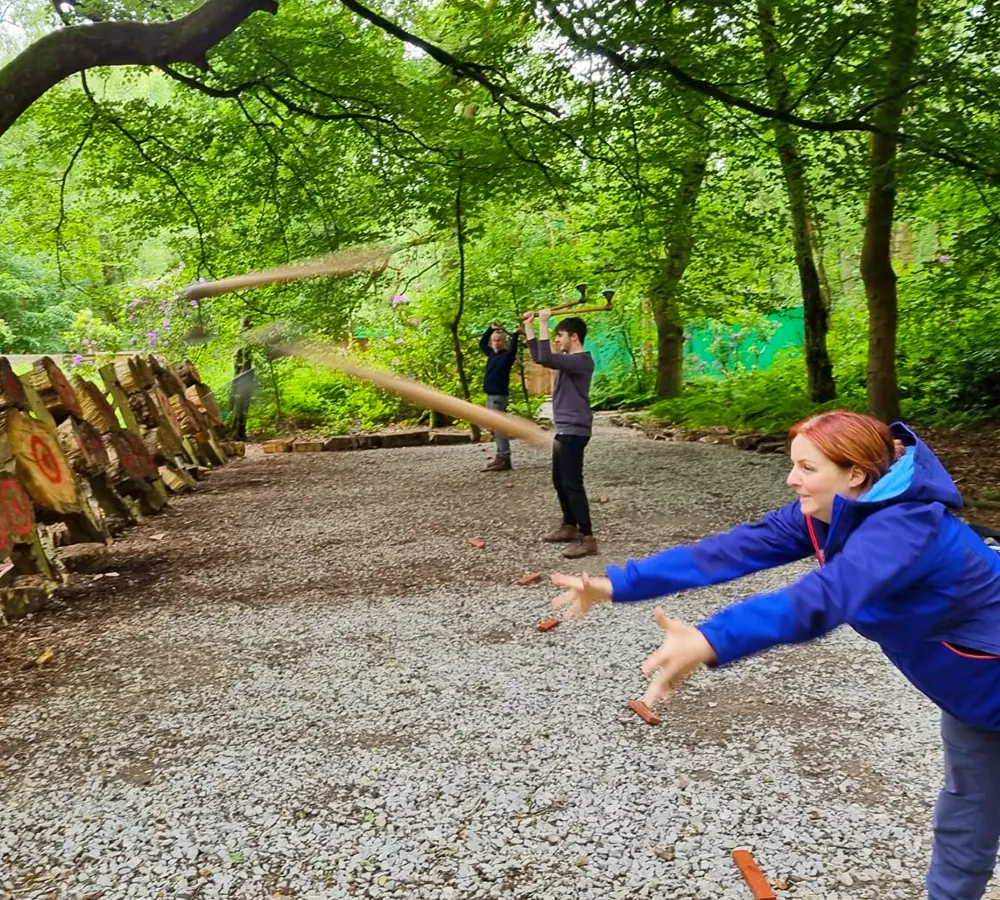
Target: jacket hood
x=916, y=476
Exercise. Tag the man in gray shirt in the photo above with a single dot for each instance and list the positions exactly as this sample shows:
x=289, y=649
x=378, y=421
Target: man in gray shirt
x=573, y=420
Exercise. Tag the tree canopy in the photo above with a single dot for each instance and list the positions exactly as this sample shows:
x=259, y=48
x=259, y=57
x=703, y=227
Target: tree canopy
x=725, y=167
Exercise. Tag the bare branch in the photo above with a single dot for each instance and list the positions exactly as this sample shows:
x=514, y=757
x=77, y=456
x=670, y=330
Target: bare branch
x=62, y=194
x=163, y=170
x=461, y=68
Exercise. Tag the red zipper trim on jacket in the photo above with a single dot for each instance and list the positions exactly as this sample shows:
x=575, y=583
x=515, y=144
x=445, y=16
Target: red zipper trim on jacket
x=819, y=556
x=969, y=655
x=816, y=546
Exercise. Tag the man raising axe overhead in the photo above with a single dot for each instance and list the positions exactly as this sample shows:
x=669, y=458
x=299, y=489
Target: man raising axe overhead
x=573, y=420
x=496, y=382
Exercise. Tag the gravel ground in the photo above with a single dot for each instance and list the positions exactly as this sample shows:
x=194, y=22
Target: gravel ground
x=304, y=683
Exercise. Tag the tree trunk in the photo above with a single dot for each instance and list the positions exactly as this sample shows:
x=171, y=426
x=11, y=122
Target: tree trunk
x=815, y=306
x=664, y=292
x=876, y=251
x=457, y=321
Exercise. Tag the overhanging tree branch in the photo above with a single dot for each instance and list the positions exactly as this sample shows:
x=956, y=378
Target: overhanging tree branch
x=463, y=69
x=80, y=47
x=138, y=143
x=660, y=64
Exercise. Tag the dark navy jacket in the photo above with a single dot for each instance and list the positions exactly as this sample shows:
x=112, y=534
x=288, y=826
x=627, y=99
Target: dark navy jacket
x=899, y=569
x=498, y=365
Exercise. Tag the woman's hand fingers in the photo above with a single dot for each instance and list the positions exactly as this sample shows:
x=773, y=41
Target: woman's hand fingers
x=659, y=688
x=683, y=650
x=567, y=581
x=564, y=599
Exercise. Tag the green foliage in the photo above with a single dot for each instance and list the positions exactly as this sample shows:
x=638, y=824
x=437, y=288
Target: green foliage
x=314, y=400
x=771, y=400
x=314, y=132
x=33, y=310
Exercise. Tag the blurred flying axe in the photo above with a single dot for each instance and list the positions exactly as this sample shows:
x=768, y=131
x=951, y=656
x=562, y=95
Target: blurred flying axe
x=341, y=263
x=283, y=342
x=574, y=307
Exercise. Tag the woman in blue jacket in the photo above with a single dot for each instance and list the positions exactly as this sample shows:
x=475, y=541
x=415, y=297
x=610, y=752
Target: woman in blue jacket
x=896, y=566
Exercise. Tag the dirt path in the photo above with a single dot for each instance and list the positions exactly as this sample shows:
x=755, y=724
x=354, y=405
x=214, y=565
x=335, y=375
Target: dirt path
x=304, y=682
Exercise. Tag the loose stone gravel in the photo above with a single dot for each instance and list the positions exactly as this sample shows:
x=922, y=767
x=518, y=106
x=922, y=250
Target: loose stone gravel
x=312, y=686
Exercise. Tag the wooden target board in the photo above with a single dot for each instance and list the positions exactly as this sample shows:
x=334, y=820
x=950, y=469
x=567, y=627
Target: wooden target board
x=124, y=464
x=15, y=509
x=201, y=398
x=41, y=464
x=11, y=390
x=96, y=409
x=144, y=461
x=54, y=388
x=167, y=411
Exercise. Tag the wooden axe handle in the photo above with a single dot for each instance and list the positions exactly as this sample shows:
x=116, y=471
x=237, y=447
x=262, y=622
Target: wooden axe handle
x=422, y=395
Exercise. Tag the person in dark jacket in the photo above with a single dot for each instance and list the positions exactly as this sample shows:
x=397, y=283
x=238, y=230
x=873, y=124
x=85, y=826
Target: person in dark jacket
x=496, y=382
x=897, y=566
x=574, y=422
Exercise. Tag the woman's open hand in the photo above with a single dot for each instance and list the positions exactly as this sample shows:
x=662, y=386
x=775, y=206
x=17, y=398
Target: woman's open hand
x=683, y=650
x=582, y=593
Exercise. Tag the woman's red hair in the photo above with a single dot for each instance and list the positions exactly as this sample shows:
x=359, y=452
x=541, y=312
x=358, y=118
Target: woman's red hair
x=850, y=439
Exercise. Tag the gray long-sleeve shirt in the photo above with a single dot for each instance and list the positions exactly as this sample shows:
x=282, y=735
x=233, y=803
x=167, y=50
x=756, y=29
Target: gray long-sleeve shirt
x=571, y=395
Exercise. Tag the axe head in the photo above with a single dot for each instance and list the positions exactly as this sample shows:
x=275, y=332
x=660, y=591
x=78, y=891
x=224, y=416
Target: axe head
x=582, y=288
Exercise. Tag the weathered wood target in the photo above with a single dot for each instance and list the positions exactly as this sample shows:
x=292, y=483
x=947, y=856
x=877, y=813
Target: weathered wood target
x=131, y=376
x=200, y=396
x=95, y=406
x=145, y=463
x=188, y=417
x=41, y=465
x=15, y=508
x=11, y=390
x=124, y=465
x=54, y=389
x=167, y=377
x=144, y=409
x=83, y=447
x=167, y=410
x=44, y=456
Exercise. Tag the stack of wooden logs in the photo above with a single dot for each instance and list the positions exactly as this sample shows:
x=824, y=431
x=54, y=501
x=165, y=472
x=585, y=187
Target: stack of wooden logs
x=79, y=462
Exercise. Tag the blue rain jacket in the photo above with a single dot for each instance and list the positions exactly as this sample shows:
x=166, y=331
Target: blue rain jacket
x=898, y=567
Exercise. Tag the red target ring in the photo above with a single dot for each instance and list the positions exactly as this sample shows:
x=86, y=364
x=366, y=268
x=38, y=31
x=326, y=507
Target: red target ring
x=46, y=460
x=15, y=508
x=143, y=460
x=131, y=467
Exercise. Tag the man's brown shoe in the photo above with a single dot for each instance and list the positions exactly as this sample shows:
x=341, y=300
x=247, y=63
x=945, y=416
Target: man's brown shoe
x=563, y=535
x=587, y=546
x=500, y=464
